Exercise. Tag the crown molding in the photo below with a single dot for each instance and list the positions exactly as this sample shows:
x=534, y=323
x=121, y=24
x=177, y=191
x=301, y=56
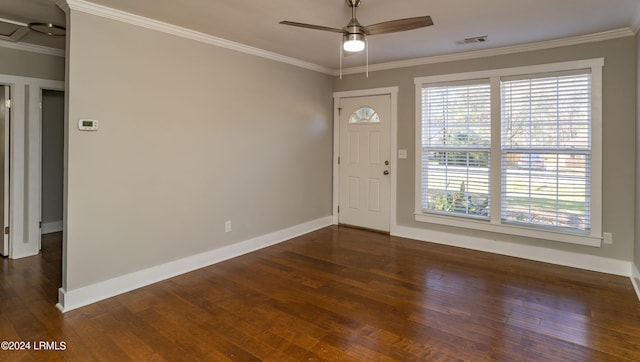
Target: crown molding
x=32, y=48
x=590, y=38
x=62, y=4
x=121, y=16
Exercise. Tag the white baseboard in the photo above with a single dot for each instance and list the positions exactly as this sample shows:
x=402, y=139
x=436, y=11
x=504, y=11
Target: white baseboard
x=635, y=279
x=553, y=256
x=51, y=227
x=72, y=299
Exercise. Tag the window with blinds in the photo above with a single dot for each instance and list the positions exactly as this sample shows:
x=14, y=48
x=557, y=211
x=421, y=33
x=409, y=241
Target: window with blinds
x=513, y=150
x=456, y=140
x=546, y=150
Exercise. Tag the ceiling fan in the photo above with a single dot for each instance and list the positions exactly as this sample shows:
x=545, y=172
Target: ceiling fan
x=354, y=34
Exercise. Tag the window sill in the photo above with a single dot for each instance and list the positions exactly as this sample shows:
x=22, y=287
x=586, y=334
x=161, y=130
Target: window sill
x=482, y=225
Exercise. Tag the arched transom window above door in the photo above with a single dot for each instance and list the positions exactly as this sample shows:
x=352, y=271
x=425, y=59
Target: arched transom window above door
x=364, y=115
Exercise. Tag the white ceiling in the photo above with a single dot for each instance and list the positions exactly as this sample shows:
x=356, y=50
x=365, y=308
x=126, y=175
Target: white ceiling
x=255, y=23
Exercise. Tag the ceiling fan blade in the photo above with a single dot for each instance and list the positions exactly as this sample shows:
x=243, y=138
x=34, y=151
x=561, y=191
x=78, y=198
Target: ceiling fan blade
x=310, y=26
x=398, y=25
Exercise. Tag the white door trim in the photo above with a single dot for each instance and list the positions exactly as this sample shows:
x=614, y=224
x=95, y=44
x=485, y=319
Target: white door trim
x=5, y=190
x=24, y=209
x=34, y=158
x=393, y=92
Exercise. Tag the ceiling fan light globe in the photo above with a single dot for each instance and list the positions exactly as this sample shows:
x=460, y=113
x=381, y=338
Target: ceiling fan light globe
x=353, y=46
x=353, y=43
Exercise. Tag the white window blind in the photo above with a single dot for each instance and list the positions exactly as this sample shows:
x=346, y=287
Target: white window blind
x=456, y=139
x=546, y=150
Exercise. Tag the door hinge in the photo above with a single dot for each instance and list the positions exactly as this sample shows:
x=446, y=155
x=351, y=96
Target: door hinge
x=338, y=160
x=6, y=230
x=338, y=209
x=40, y=224
x=7, y=103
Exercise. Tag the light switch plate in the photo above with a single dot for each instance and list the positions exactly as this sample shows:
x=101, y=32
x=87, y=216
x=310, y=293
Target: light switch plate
x=402, y=154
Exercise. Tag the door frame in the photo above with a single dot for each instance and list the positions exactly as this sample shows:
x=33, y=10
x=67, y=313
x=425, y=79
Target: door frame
x=24, y=217
x=393, y=93
x=6, y=157
x=35, y=163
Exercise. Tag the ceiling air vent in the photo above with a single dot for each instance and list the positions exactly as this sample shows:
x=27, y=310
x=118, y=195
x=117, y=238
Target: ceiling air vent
x=12, y=30
x=477, y=39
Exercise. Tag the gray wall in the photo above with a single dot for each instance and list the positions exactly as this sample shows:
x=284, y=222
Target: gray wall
x=52, y=155
x=618, y=122
x=28, y=64
x=191, y=135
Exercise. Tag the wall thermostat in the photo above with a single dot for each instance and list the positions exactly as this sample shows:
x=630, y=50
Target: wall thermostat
x=87, y=125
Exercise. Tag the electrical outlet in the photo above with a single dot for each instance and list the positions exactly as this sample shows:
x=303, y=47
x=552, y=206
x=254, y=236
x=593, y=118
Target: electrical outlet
x=227, y=226
x=607, y=238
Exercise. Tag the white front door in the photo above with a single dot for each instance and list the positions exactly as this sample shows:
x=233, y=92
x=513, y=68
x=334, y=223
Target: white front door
x=365, y=150
x=4, y=166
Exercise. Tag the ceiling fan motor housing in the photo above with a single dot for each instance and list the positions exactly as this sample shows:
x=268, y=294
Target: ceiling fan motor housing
x=353, y=38
x=354, y=27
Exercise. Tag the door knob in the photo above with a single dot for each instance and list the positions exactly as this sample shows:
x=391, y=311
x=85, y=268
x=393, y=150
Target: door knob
x=386, y=172
x=386, y=163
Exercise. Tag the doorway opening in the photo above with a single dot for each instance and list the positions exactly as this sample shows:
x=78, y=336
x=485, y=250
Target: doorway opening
x=52, y=161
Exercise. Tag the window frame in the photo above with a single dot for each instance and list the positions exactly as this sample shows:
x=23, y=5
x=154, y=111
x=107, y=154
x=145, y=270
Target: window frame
x=592, y=237
x=481, y=88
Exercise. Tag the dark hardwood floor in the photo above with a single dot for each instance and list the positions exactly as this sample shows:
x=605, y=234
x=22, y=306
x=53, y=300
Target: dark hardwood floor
x=337, y=294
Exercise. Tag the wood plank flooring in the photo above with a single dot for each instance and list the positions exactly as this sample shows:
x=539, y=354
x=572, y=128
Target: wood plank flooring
x=337, y=294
